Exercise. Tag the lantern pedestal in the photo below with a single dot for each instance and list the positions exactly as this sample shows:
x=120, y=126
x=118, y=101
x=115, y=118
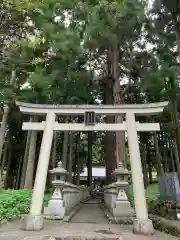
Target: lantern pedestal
x=55, y=205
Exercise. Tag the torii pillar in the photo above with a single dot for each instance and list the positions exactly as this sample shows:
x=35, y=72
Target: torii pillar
x=142, y=224
x=34, y=221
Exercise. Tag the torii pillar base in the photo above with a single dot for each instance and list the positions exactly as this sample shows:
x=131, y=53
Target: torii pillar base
x=33, y=223
x=143, y=227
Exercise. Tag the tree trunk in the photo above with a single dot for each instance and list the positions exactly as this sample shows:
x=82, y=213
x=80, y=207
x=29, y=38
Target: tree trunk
x=3, y=164
x=65, y=149
x=158, y=156
x=31, y=161
x=3, y=129
x=70, y=157
x=54, y=151
x=150, y=173
x=120, y=136
x=18, y=178
x=172, y=157
x=126, y=158
x=149, y=164
x=174, y=100
x=110, y=138
x=176, y=158
x=175, y=113
x=13, y=77
x=75, y=163
x=120, y=144
x=110, y=158
x=78, y=169
x=176, y=128
x=89, y=163
x=25, y=160
x=144, y=166
x=6, y=182
x=166, y=165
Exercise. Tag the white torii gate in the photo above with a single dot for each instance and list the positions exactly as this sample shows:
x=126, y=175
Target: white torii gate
x=35, y=220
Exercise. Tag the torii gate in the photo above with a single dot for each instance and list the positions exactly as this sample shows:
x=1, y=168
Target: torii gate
x=130, y=125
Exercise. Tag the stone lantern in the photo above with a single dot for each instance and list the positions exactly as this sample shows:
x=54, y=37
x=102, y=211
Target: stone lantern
x=59, y=173
x=123, y=206
x=56, y=206
x=121, y=173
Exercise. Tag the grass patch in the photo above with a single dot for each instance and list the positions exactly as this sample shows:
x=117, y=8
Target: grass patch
x=152, y=192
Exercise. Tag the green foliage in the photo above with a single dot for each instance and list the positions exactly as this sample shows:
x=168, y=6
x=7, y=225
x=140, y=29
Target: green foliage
x=47, y=197
x=13, y=203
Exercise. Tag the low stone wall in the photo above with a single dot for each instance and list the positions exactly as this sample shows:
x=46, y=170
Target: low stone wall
x=116, y=201
x=65, y=197
x=116, y=220
x=166, y=209
x=73, y=195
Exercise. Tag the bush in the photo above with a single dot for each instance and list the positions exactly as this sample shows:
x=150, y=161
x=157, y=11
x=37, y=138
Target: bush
x=163, y=225
x=13, y=203
x=167, y=209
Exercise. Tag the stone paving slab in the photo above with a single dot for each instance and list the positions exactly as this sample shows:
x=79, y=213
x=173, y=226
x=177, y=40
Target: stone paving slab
x=71, y=231
x=90, y=212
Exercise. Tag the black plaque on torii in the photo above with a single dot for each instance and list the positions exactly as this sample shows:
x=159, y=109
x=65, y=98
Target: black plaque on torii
x=89, y=118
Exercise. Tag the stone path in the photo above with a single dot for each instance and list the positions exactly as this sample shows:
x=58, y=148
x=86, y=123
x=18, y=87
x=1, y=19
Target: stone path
x=78, y=229
x=90, y=212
